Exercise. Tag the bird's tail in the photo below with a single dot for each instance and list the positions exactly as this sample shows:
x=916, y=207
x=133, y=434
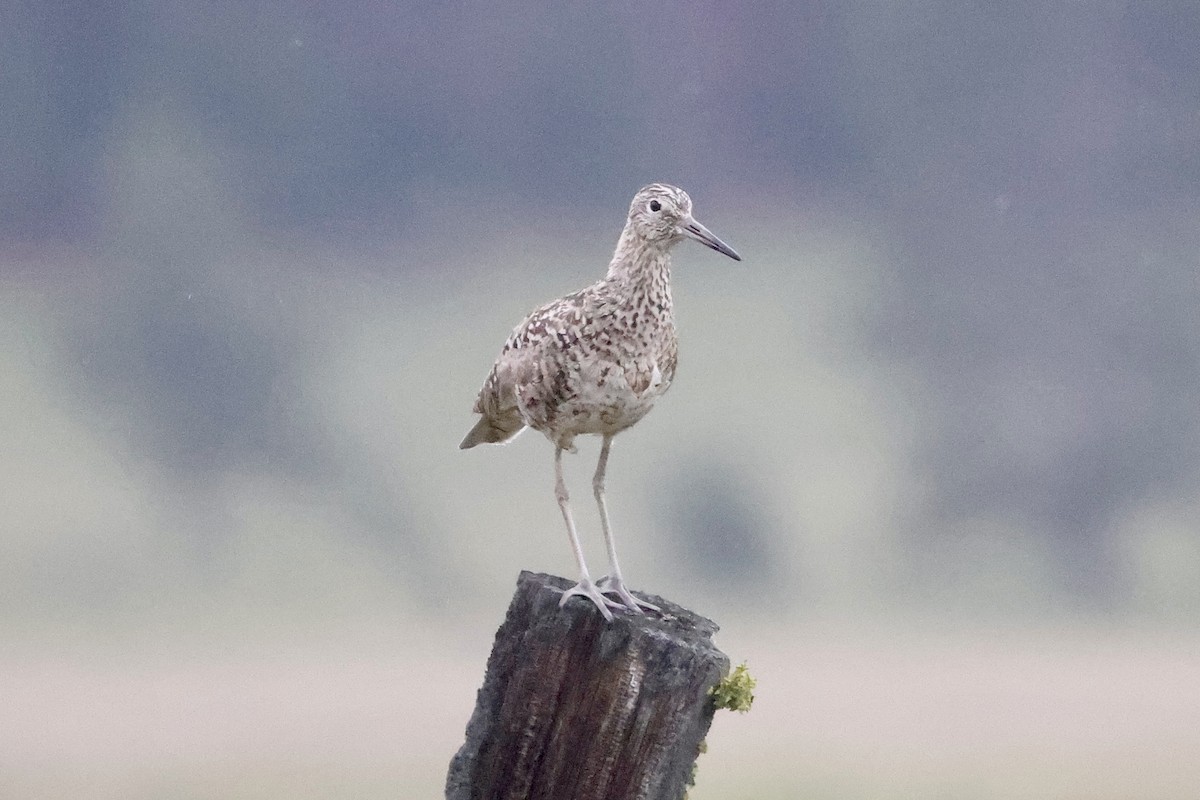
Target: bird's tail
x=492, y=430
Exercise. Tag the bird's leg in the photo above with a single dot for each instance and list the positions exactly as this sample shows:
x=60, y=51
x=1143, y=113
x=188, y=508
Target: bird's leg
x=612, y=582
x=585, y=587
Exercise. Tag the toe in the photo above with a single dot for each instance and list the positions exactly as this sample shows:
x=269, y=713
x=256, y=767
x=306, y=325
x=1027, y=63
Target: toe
x=615, y=586
x=588, y=590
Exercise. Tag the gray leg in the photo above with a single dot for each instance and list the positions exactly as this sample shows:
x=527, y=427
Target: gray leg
x=585, y=587
x=613, y=582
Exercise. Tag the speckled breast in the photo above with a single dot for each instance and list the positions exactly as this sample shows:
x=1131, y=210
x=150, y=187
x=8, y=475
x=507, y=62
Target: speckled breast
x=593, y=395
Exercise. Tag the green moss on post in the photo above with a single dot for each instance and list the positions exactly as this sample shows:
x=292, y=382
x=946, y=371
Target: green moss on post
x=735, y=691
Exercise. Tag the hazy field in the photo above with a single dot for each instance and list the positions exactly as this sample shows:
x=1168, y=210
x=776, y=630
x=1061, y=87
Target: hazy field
x=842, y=711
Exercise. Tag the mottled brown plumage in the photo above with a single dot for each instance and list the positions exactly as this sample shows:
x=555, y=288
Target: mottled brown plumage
x=596, y=361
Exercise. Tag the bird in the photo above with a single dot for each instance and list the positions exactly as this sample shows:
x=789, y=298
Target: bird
x=594, y=362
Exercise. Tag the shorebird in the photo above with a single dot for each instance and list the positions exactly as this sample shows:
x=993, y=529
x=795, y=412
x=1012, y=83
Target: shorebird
x=595, y=362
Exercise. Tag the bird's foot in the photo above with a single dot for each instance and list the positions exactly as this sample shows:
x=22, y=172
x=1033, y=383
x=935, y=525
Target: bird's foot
x=611, y=585
x=585, y=588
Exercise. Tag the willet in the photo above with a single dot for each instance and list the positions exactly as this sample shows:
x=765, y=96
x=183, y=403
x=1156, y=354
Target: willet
x=595, y=362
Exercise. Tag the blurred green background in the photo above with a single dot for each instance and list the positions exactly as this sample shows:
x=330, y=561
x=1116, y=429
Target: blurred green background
x=931, y=459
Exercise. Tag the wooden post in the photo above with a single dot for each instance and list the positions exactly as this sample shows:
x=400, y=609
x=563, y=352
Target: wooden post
x=576, y=708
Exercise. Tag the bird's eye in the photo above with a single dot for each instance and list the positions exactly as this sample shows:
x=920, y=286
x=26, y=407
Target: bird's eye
x=655, y=205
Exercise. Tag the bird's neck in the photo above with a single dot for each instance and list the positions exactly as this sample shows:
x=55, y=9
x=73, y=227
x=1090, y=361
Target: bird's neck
x=642, y=269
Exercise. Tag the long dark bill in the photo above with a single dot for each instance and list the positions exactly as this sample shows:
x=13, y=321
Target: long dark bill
x=706, y=237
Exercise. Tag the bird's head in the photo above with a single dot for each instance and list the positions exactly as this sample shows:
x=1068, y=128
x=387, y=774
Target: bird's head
x=663, y=214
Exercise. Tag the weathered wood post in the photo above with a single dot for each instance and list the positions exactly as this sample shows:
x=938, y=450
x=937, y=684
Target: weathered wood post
x=576, y=708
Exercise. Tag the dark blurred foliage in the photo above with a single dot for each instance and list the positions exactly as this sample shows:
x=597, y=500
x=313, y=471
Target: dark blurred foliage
x=723, y=535
x=330, y=111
